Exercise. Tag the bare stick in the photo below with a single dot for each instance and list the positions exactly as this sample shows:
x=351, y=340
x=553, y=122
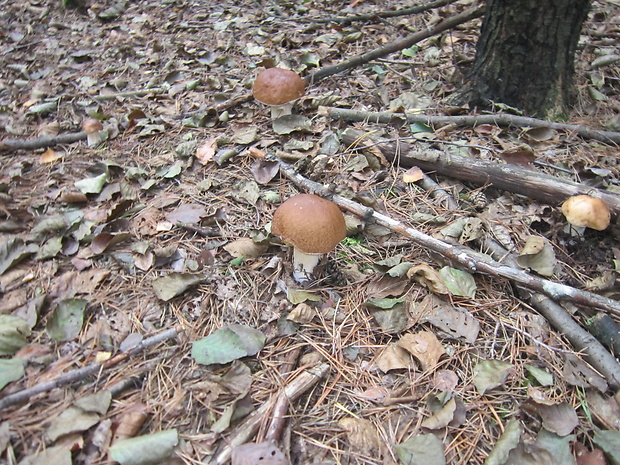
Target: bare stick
x=512, y=178
x=41, y=142
x=609, y=137
x=386, y=14
x=87, y=371
x=458, y=254
x=291, y=391
x=381, y=52
x=130, y=93
x=596, y=354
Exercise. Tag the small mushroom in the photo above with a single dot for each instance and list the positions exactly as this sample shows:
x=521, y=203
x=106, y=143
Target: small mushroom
x=91, y=127
x=278, y=88
x=586, y=211
x=313, y=225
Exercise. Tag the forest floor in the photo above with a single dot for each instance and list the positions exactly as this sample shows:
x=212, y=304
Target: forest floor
x=142, y=268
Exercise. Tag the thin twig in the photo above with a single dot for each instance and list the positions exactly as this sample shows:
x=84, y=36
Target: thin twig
x=457, y=254
x=300, y=384
x=609, y=137
x=87, y=371
x=396, y=46
x=386, y=14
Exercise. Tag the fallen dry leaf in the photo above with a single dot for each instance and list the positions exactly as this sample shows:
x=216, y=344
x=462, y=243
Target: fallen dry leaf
x=206, y=151
x=393, y=357
x=424, y=346
x=263, y=453
x=362, y=435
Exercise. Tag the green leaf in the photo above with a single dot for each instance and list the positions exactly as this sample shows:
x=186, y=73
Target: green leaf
x=13, y=334
x=298, y=296
x=508, y=441
x=490, y=374
x=67, y=321
x=424, y=449
x=143, y=450
x=227, y=344
x=609, y=442
x=58, y=455
x=12, y=251
x=175, y=284
x=458, y=282
x=71, y=420
x=542, y=377
x=421, y=128
x=92, y=185
x=11, y=370
x=384, y=303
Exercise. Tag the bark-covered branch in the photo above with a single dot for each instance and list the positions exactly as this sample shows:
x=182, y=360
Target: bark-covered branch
x=396, y=46
x=41, y=142
x=386, y=14
x=512, y=178
x=609, y=137
x=459, y=255
x=87, y=371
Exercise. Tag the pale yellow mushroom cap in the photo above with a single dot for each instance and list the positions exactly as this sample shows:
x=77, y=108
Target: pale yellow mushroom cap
x=583, y=210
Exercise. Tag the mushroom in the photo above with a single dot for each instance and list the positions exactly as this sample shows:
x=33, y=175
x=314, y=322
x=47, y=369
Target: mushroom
x=278, y=88
x=92, y=127
x=313, y=225
x=586, y=211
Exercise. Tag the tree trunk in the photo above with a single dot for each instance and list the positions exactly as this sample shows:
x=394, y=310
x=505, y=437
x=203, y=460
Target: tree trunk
x=525, y=55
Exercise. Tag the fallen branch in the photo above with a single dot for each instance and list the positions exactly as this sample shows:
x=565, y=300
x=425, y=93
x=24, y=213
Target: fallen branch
x=87, y=371
x=41, y=142
x=386, y=14
x=596, y=354
x=609, y=137
x=293, y=390
x=458, y=254
x=512, y=178
x=407, y=42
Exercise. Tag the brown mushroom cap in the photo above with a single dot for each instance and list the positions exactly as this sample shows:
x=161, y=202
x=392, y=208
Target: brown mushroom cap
x=309, y=222
x=277, y=86
x=92, y=125
x=583, y=210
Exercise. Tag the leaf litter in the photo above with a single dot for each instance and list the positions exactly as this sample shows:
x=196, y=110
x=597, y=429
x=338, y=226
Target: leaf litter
x=411, y=348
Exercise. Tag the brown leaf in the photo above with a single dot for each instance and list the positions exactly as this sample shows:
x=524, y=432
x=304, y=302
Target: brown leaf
x=605, y=409
x=578, y=373
x=427, y=276
x=413, y=174
x=424, y=346
x=393, y=357
x=362, y=435
x=445, y=380
x=264, y=171
x=386, y=286
x=559, y=418
x=130, y=422
x=245, y=247
x=584, y=457
x=519, y=156
x=206, y=151
x=50, y=156
x=263, y=453
x=188, y=213
x=441, y=418
x=454, y=322
x=102, y=242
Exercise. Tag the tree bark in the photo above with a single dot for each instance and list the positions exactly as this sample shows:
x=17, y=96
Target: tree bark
x=525, y=55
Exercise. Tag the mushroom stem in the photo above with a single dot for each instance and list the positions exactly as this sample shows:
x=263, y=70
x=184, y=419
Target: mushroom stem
x=281, y=110
x=304, y=265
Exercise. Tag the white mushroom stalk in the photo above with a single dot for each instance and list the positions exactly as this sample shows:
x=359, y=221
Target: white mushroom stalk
x=304, y=265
